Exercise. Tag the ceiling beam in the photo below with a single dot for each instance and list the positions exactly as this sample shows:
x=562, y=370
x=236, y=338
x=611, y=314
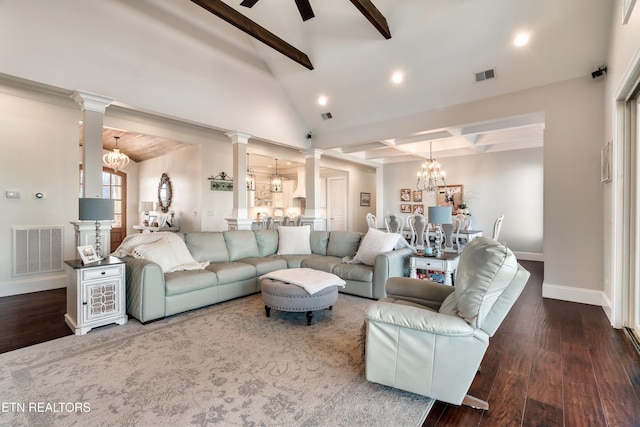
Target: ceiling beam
x=374, y=16
x=241, y=22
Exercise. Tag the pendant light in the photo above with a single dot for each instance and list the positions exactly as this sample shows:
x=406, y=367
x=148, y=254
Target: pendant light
x=115, y=159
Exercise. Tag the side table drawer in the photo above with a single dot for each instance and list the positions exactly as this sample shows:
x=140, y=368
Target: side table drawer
x=101, y=273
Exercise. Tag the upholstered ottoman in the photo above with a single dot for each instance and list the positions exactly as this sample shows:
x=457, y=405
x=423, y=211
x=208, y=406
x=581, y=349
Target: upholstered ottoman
x=280, y=293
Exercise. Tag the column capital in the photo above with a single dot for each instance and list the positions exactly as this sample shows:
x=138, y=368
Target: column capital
x=238, y=137
x=91, y=101
x=311, y=153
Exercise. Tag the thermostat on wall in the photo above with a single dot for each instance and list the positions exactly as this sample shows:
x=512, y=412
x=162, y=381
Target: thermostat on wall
x=12, y=194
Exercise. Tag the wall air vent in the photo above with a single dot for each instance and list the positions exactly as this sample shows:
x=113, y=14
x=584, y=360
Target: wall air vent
x=486, y=75
x=326, y=116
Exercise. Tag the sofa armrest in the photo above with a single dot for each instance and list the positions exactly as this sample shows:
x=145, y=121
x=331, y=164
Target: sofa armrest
x=418, y=319
x=389, y=264
x=145, y=289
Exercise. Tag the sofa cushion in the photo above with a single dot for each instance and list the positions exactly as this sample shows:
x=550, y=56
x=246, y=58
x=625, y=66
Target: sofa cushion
x=343, y=243
x=294, y=240
x=229, y=272
x=322, y=263
x=241, y=244
x=319, y=240
x=207, y=246
x=295, y=261
x=181, y=282
x=267, y=241
x=266, y=265
x=357, y=272
x=374, y=243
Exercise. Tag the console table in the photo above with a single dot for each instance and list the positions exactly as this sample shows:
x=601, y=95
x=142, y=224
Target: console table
x=447, y=263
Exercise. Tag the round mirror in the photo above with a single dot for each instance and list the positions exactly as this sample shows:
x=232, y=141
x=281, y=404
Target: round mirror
x=164, y=193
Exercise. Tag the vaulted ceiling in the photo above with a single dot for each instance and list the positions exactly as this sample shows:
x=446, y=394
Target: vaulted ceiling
x=438, y=45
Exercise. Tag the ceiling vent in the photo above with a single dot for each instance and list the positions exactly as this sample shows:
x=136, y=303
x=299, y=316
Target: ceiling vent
x=486, y=75
x=326, y=116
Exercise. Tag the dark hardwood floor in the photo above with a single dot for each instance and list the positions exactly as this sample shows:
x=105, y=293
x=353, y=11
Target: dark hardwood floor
x=551, y=363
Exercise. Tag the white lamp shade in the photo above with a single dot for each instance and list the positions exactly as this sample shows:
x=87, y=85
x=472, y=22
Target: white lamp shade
x=146, y=206
x=96, y=209
x=440, y=215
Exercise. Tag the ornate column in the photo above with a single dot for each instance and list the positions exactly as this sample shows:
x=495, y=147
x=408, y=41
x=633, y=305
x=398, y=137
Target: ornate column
x=240, y=219
x=93, y=108
x=312, y=189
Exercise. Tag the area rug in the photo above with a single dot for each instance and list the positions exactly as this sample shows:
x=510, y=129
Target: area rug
x=227, y=364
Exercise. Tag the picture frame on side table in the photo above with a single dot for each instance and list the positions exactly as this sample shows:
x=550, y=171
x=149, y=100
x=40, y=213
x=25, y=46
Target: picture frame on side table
x=605, y=163
x=88, y=254
x=365, y=199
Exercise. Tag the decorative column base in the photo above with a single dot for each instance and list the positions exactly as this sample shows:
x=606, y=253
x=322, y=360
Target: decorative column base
x=85, y=233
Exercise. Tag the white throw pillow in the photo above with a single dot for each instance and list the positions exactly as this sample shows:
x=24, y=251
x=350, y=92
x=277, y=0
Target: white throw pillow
x=374, y=243
x=159, y=252
x=294, y=240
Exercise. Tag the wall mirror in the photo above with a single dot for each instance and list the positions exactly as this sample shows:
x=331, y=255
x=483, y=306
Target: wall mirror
x=165, y=193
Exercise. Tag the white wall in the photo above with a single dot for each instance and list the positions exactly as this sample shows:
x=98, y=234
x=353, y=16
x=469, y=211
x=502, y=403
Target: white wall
x=507, y=182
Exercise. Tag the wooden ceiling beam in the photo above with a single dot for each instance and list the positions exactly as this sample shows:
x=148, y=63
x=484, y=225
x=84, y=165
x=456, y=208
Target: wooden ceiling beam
x=374, y=16
x=241, y=22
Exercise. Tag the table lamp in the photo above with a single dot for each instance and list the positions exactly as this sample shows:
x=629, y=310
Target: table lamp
x=96, y=210
x=146, y=207
x=439, y=215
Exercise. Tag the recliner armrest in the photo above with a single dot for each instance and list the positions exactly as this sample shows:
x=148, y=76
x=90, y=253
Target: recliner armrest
x=424, y=292
x=419, y=319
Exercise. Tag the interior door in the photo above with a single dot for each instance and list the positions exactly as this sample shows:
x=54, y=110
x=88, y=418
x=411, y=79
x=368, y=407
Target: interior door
x=337, y=203
x=114, y=186
x=634, y=291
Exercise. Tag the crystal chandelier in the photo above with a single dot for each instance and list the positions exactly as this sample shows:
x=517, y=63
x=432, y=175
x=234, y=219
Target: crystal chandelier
x=115, y=159
x=431, y=173
x=251, y=178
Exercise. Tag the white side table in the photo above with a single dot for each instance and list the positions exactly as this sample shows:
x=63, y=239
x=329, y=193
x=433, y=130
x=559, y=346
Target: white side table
x=95, y=294
x=446, y=263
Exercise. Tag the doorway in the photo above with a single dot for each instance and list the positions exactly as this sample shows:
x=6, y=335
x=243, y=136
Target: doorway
x=114, y=186
x=337, y=203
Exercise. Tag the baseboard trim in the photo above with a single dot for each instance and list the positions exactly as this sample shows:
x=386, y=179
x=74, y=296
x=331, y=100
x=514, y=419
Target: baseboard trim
x=567, y=293
x=26, y=286
x=529, y=256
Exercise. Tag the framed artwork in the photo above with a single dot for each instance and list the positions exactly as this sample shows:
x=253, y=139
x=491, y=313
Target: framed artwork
x=605, y=163
x=365, y=199
x=627, y=8
x=153, y=219
x=417, y=196
x=88, y=254
x=418, y=209
x=449, y=195
x=405, y=195
x=405, y=208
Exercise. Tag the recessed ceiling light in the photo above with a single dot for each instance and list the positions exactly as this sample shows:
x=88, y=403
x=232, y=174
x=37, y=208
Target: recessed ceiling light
x=397, y=77
x=521, y=39
x=322, y=100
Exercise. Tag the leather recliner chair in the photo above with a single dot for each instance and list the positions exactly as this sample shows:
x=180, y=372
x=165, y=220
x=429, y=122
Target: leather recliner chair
x=428, y=338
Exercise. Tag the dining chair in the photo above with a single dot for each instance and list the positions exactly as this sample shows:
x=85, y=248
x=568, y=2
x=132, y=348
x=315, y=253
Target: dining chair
x=394, y=223
x=452, y=241
x=418, y=225
x=269, y=223
x=372, y=222
x=497, y=226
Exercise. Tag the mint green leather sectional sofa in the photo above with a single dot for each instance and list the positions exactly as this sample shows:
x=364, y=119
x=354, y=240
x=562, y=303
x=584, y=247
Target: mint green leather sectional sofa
x=238, y=258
